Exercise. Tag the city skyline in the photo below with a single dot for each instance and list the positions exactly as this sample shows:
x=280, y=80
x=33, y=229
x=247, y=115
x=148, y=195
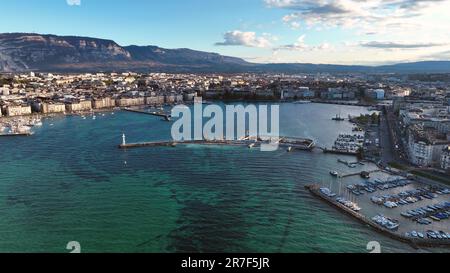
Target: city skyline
x=368, y=32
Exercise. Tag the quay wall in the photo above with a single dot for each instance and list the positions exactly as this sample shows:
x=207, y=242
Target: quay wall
x=327, y=151
x=341, y=103
x=16, y=135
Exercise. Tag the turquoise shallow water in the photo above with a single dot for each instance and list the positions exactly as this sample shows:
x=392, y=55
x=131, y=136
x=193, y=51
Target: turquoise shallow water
x=69, y=182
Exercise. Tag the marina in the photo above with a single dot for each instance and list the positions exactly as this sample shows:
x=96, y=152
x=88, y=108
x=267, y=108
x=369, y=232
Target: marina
x=381, y=223
x=346, y=144
x=402, y=208
x=19, y=126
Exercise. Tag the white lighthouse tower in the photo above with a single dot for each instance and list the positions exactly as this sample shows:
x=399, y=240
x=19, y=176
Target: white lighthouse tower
x=124, y=142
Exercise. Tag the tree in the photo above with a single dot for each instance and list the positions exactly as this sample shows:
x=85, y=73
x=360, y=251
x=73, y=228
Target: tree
x=360, y=154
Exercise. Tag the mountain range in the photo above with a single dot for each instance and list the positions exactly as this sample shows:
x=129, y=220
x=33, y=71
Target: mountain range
x=21, y=52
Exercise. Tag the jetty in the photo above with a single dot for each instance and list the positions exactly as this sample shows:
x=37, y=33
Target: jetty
x=251, y=142
x=414, y=242
x=176, y=143
x=165, y=115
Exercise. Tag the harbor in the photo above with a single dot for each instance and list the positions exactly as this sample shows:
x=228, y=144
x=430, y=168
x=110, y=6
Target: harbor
x=380, y=223
x=169, y=183
x=347, y=144
x=368, y=202
x=404, y=209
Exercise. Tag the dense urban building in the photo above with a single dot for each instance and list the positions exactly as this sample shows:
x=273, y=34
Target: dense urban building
x=425, y=146
x=445, y=159
x=18, y=110
x=421, y=108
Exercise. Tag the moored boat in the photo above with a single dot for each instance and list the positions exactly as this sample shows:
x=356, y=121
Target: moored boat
x=334, y=173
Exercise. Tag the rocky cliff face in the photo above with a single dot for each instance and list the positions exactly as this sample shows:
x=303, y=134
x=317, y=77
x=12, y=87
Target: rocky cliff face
x=32, y=51
x=181, y=56
x=24, y=51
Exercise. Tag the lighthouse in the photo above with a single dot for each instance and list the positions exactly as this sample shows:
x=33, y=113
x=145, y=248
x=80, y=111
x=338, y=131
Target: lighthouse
x=124, y=142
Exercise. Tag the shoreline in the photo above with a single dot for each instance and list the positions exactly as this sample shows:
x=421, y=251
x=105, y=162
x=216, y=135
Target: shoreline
x=185, y=103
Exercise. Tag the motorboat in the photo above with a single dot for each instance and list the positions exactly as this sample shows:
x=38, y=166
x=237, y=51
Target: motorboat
x=327, y=192
x=334, y=173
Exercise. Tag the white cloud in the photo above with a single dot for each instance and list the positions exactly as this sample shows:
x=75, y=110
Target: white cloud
x=248, y=39
x=295, y=25
x=370, y=14
x=397, y=30
x=399, y=45
x=300, y=45
x=73, y=2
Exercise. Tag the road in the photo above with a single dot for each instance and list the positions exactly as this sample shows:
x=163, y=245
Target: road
x=387, y=147
x=391, y=131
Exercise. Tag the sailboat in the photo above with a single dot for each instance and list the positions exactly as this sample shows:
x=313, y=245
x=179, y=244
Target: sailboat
x=338, y=117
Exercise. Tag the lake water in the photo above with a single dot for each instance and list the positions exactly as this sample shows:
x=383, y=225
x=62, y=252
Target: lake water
x=70, y=182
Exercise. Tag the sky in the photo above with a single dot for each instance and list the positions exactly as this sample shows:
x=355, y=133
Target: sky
x=369, y=32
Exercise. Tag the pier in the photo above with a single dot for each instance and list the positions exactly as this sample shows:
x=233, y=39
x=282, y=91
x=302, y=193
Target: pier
x=176, y=143
x=251, y=142
x=315, y=190
x=166, y=116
